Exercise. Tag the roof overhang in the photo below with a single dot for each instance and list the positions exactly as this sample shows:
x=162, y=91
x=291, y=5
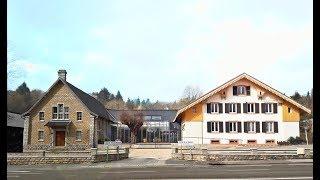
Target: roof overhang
x=58, y=123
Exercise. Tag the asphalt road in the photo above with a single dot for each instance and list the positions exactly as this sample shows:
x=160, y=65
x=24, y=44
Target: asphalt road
x=262, y=171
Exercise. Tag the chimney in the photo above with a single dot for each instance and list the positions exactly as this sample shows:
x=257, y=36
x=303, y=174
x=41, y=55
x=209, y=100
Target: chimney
x=62, y=74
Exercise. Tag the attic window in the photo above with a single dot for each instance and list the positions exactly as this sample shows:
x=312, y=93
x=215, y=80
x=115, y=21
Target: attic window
x=194, y=109
x=289, y=110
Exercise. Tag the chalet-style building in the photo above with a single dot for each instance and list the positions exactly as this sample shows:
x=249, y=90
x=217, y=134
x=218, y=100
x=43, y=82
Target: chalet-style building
x=66, y=118
x=241, y=111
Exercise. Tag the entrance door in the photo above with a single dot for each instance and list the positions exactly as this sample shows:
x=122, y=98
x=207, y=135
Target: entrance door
x=60, y=138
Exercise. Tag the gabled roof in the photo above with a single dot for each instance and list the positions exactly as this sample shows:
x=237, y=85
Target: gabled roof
x=93, y=105
x=250, y=78
x=15, y=120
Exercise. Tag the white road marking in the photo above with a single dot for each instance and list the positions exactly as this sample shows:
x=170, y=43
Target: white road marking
x=249, y=165
x=309, y=164
x=17, y=171
x=13, y=176
x=24, y=173
x=127, y=172
x=263, y=178
x=249, y=170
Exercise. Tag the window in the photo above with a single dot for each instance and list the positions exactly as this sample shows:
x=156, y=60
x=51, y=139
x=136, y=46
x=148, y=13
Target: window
x=215, y=107
x=233, y=126
x=66, y=112
x=156, y=117
x=269, y=127
x=270, y=141
x=78, y=135
x=241, y=89
x=147, y=117
x=40, y=135
x=79, y=116
x=268, y=107
x=215, y=127
x=194, y=109
x=215, y=142
x=54, y=112
x=289, y=110
x=60, y=111
x=252, y=141
x=233, y=107
x=250, y=107
x=41, y=116
x=251, y=127
x=233, y=141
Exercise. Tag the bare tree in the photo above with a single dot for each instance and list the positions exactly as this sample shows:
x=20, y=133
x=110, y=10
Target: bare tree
x=134, y=121
x=191, y=93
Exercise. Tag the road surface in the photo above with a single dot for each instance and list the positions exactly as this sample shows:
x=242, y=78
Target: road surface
x=173, y=171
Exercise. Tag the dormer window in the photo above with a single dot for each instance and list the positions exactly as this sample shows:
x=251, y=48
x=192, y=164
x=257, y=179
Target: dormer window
x=242, y=90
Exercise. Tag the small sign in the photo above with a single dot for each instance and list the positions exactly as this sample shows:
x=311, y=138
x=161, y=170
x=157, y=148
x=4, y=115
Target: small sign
x=112, y=143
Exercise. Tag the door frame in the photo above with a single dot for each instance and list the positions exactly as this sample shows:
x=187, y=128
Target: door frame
x=54, y=137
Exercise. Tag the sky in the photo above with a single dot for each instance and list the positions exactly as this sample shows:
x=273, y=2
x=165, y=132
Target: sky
x=154, y=49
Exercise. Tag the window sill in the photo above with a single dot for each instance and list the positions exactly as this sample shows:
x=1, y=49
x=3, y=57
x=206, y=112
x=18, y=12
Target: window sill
x=251, y=132
x=78, y=140
x=41, y=140
x=79, y=120
x=233, y=132
x=215, y=132
x=41, y=121
x=269, y=132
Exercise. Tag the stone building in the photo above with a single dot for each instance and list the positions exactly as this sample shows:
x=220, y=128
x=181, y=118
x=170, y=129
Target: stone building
x=66, y=118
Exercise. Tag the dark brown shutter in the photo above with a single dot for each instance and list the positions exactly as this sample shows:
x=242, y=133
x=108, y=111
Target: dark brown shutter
x=257, y=107
x=248, y=90
x=239, y=127
x=263, y=127
x=226, y=106
x=245, y=107
x=245, y=126
x=220, y=108
x=275, y=108
x=220, y=126
x=275, y=127
x=263, y=107
x=208, y=107
x=227, y=127
x=235, y=90
x=238, y=107
x=257, y=127
x=208, y=126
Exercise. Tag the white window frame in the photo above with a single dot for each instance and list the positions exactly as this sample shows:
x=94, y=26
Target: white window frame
x=215, y=108
x=252, y=108
x=269, y=127
x=42, y=135
x=241, y=90
x=54, y=113
x=251, y=126
x=213, y=129
x=234, y=126
x=66, y=113
x=233, y=106
x=79, y=130
x=269, y=108
x=40, y=116
x=81, y=115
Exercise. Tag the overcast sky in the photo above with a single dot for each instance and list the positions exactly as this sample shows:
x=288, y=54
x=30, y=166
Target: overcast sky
x=153, y=49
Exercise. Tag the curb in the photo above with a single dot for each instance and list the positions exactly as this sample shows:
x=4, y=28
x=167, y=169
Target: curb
x=257, y=162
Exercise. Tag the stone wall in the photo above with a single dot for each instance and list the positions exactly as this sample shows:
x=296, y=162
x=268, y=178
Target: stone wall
x=220, y=157
x=71, y=157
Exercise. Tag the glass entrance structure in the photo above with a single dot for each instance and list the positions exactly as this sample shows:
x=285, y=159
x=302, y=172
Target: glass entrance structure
x=158, y=127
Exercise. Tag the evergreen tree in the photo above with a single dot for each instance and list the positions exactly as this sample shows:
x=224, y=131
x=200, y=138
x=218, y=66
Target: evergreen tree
x=103, y=95
x=296, y=96
x=118, y=96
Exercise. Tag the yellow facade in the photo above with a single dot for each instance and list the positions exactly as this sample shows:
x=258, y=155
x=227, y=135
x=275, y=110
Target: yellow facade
x=193, y=114
x=292, y=116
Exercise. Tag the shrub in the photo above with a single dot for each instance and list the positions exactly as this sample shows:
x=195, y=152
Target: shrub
x=296, y=140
